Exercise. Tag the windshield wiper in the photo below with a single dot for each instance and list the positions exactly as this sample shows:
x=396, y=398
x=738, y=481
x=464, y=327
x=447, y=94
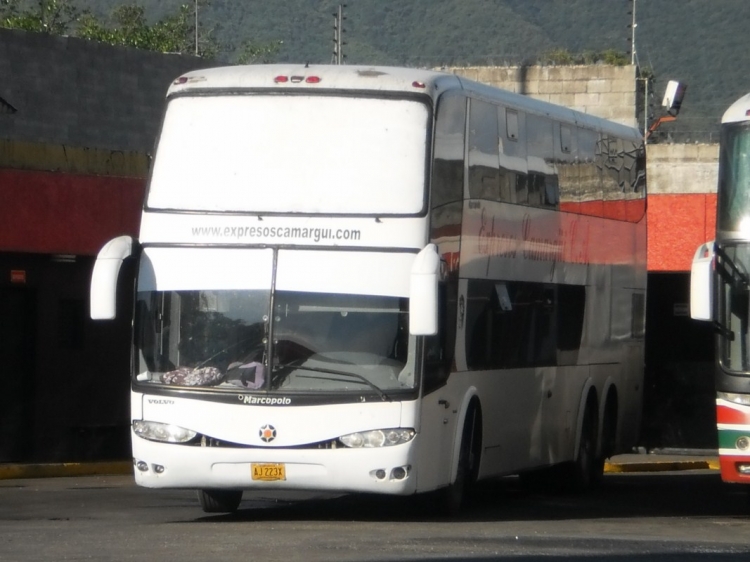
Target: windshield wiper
x=383, y=396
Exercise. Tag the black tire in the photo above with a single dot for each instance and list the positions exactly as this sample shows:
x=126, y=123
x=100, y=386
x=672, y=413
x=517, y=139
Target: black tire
x=453, y=497
x=609, y=437
x=541, y=480
x=220, y=501
x=583, y=470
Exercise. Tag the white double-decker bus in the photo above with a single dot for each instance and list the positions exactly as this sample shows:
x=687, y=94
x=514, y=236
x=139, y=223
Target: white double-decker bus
x=720, y=292
x=386, y=280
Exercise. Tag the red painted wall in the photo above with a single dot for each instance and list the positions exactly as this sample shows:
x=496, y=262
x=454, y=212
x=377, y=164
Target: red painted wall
x=677, y=225
x=60, y=213
x=51, y=212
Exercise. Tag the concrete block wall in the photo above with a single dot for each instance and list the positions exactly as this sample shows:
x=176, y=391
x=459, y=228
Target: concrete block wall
x=682, y=183
x=81, y=93
x=601, y=90
x=682, y=168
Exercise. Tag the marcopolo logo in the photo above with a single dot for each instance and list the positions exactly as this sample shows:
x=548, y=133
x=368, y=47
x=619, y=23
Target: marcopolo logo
x=267, y=433
x=265, y=400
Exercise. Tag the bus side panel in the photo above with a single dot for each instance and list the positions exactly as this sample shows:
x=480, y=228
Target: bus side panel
x=528, y=416
x=438, y=424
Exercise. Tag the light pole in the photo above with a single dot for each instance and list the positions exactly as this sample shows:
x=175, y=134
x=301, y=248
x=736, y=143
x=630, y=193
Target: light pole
x=338, y=38
x=196, y=28
x=633, y=25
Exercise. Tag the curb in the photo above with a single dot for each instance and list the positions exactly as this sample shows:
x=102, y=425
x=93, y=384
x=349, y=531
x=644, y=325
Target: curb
x=57, y=470
x=661, y=466
x=61, y=470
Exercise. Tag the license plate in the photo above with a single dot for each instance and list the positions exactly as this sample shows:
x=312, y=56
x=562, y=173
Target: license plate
x=268, y=472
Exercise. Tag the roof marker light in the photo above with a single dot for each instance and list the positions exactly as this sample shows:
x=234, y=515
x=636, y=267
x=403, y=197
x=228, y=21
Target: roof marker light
x=297, y=79
x=181, y=80
x=281, y=79
x=418, y=84
x=313, y=79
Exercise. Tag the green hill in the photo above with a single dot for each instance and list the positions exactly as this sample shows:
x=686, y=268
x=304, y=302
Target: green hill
x=699, y=42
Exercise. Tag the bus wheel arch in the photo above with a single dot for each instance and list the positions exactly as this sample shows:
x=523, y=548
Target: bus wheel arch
x=466, y=456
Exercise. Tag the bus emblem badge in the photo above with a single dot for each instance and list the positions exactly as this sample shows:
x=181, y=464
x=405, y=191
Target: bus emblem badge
x=267, y=433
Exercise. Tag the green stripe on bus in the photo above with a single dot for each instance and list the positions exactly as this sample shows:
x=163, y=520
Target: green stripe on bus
x=728, y=437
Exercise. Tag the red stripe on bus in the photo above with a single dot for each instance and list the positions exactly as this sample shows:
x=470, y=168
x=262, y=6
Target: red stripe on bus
x=725, y=414
x=729, y=471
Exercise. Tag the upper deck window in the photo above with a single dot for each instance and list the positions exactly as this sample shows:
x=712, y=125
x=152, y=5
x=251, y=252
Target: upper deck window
x=292, y=154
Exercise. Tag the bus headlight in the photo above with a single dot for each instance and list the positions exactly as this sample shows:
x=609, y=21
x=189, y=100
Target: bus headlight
x=164, y=432
x=377, y=438
x=743, y=399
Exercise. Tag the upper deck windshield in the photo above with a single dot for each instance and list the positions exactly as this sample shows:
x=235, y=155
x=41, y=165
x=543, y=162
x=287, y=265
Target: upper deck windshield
x=203, y=320
x=316, y=154
x=734, y=178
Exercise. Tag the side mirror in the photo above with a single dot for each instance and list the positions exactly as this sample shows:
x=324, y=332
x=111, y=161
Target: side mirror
x=673, y=96
x=104, y=278
x=423, y=292
x=702, y=283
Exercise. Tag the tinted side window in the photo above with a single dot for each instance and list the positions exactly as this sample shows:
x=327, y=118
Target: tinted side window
x=512, y=148
x=571, y=301
x=540, y=147
x=510, y=324
x=448, y=168
x=611, y=163
x=590, y=164
x=484, y=180
x=439, y=349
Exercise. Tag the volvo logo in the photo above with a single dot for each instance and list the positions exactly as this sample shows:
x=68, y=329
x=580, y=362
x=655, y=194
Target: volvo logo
x=267, y=433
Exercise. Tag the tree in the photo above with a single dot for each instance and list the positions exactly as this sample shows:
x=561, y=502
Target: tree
x=254, y=53
x=129, y=27
x=48, y=16
x=562, y=57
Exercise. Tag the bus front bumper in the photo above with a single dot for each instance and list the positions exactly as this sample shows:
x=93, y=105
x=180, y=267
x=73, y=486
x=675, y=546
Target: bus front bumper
x=384, y=470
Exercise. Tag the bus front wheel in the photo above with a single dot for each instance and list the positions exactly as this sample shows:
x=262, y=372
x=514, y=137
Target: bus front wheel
x=454, y=495
x=220, y=501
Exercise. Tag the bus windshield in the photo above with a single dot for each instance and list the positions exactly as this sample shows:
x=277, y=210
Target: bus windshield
x=734, y=178
x=204, y=319
x=317, y=342
x=733, y=266
x=292, y=154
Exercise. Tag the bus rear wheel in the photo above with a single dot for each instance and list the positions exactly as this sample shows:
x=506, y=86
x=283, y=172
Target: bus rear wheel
x=220, y=501
x=583, y=471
